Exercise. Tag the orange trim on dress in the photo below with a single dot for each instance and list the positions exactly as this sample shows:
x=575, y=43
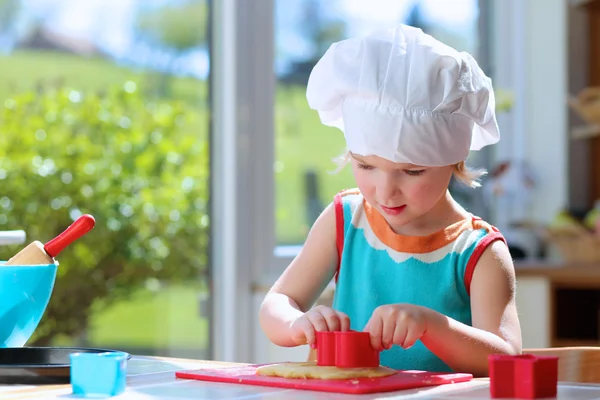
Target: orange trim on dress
x=413, y=244
x=347, y=192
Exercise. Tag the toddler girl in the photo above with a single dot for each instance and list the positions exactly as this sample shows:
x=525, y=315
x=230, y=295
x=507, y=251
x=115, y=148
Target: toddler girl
x=433, y=284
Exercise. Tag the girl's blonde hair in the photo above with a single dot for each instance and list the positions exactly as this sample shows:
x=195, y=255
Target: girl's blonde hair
x=462, y=173
x=468, y=176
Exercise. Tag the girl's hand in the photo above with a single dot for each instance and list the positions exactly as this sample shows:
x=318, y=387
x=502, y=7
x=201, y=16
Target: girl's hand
x=399, y=324
x=317, y=319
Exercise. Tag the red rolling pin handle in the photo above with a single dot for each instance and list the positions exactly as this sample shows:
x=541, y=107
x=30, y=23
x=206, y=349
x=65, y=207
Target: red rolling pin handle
x=76, y=230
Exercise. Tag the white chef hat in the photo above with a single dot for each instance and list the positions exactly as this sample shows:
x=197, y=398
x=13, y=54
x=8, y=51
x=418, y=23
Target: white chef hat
x=402, y=95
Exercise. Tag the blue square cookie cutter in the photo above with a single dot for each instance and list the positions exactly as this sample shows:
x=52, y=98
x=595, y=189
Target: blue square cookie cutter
x=97, y=375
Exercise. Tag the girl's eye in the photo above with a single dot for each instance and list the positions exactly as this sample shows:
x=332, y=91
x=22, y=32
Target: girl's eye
x=413, y=172
x=364, y=166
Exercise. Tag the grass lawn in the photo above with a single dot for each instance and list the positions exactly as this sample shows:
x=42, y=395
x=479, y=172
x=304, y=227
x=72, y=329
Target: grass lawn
x=164, y=319
x=170, y=317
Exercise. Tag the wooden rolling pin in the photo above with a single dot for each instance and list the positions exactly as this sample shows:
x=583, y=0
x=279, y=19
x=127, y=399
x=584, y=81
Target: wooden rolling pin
x=37, y=253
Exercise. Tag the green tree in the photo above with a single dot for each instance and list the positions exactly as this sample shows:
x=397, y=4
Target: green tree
x=139, y=166
x=177, y=28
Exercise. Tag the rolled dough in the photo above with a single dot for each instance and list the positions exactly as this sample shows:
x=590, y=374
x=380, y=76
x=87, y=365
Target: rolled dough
x=310, y=370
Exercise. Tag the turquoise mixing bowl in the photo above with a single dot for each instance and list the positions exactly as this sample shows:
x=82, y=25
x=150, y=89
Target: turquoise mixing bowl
x=25, y=291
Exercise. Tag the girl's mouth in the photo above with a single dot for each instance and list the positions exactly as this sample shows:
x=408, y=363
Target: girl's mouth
x=393, y=210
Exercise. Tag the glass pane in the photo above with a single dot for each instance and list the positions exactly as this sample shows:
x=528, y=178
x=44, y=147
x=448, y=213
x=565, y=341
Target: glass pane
x=304, y=29
x=104, y=110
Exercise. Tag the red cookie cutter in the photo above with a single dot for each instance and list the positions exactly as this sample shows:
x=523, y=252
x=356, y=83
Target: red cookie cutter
x=348, y=349
x=524, y=376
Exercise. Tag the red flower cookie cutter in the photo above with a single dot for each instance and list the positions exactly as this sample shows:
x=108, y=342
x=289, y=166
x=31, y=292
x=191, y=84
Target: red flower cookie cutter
x=524, y=376
x=348, y=349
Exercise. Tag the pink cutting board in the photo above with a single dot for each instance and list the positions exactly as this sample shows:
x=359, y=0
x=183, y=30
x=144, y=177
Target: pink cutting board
x=246, y=375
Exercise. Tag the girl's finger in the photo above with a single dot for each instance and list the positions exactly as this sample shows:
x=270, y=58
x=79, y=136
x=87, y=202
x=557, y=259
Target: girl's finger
x=299, y=338
x=311, y=336
x=412, y=335
x=400, y=332
x=318, y=322
x=331, y=318
x=344, y=321
x=387, y=333
x=375, y=327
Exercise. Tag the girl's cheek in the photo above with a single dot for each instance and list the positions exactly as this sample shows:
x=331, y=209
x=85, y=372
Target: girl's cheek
x=361, y=176
x=364, y=184
x=416, y=190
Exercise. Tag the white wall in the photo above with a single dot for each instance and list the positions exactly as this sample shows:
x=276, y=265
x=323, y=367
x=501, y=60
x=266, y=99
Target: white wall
x=529, y=56
x=546, y=118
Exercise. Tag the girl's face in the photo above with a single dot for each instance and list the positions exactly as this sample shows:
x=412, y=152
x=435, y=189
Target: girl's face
x=402, y=193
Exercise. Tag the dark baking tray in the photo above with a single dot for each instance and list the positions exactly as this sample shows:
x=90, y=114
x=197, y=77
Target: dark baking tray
x=39, y=365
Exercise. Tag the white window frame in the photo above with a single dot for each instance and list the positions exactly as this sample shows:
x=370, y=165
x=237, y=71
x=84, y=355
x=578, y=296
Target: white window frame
x=242, y=157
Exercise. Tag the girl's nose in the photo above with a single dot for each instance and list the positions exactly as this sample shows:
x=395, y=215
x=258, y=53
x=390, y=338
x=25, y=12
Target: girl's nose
x=387, y=187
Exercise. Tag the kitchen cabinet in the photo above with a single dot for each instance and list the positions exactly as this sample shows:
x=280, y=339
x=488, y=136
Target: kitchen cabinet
x=559, y=304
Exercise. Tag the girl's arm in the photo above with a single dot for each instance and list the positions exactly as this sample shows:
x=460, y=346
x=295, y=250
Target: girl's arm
x=302, y=282
x=496, y=327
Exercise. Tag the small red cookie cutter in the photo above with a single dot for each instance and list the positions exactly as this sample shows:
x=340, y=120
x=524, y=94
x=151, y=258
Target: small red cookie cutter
x=348, y=349
x=525, y=376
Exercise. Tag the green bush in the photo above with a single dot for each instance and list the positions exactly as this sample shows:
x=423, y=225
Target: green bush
x=139, y=166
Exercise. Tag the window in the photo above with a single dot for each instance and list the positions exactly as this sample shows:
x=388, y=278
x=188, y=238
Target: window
x=104, y=110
